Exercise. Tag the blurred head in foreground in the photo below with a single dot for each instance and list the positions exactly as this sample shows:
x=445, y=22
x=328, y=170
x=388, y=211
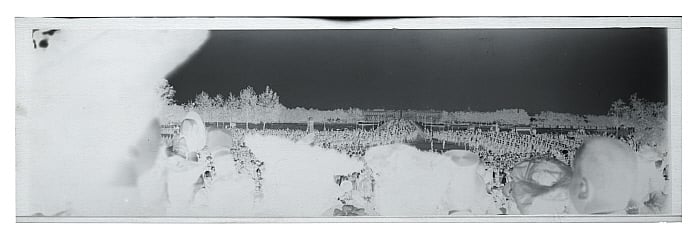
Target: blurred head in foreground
x=539, y=186
x=604, y=177
x=89, y=100
x=463, y=158
x=192, y=136
x=466, y=192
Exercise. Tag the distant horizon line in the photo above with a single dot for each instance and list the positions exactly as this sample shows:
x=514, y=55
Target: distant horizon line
x=430, y=110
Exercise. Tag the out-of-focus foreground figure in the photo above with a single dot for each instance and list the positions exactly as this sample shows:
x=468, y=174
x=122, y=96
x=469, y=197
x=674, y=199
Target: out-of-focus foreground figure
x=87, y=110
x=606, y=178
x=540, y=186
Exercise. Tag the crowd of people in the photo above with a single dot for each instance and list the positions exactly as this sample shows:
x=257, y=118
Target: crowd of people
x=357, y=190
x=355, y=142
x=502, y=153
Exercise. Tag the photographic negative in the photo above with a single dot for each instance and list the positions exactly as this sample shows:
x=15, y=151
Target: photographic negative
x=389, y=119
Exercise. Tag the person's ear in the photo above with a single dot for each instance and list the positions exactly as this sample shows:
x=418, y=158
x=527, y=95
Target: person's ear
x=583, y=189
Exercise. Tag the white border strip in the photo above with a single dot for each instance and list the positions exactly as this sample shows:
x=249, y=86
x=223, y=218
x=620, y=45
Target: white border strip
x=674, y=133
x=470, y=219
x=262, y=23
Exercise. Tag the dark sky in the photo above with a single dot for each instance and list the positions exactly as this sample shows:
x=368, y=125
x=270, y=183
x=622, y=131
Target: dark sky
x=563, y=70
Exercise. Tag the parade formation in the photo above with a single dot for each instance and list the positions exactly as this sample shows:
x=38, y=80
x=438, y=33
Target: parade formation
x=519, y=173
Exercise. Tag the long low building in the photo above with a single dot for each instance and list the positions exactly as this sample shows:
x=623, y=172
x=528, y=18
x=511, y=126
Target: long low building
x=412, y=115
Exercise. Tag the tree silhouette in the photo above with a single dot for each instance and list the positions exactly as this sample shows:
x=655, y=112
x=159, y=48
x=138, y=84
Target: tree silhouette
x=269, y=106
x=249, y=103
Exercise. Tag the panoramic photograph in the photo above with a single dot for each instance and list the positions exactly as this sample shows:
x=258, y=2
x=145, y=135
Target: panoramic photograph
x=327, y=123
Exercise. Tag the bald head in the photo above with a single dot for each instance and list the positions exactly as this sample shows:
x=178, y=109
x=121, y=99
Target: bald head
x=604, y=176
x=463, y=158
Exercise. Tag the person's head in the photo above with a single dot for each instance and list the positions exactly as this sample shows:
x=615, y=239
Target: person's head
x=193, y=131
x=537, y=184
x=604, y=176
x=463, y=158
x=187, y=126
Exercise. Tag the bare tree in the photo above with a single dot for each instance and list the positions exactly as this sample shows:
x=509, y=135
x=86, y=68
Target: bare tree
x=649, y=119
x=169, y=109
x=166, y=92
x=204, y=105
x=249, y=102
x=217, y=108
x=269, y=106
x=231, y=104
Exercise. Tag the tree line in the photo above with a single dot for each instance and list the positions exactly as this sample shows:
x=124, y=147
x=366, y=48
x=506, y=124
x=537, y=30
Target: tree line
x=248, y=106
